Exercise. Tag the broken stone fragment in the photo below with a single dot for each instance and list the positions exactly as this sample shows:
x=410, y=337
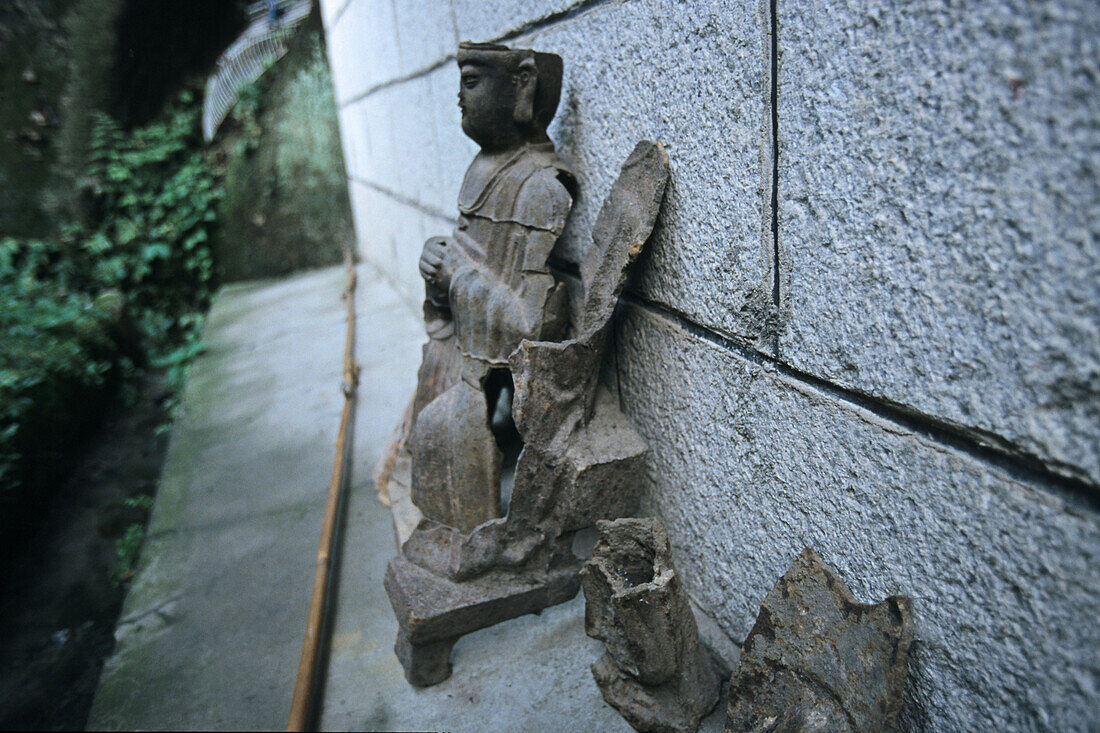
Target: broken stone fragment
x=654, y=671
x=818, y=660
x=622, y=227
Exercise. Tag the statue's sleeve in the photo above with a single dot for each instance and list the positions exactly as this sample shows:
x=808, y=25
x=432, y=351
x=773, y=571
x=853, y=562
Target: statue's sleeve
x=515, y=306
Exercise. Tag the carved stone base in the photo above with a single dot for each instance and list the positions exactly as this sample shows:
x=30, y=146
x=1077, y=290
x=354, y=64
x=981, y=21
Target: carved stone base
x=433, y=611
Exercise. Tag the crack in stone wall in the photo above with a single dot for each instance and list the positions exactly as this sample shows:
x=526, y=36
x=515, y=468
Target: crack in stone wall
x=774, y=59
x=987, y=448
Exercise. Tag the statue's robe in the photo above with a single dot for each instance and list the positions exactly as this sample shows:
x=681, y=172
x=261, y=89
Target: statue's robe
x=501, y=292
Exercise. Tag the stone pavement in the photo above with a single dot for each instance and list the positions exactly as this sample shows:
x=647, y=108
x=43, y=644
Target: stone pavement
x=211, y=631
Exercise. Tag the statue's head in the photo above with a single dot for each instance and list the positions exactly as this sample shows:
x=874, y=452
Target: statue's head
x=508, y=96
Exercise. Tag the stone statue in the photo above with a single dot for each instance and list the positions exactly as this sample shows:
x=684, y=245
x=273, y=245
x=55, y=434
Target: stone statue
x=489, y=284
x=510, y=375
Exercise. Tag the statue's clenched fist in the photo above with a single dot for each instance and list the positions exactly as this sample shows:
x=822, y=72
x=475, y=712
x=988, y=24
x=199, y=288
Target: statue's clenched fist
x=433, y=266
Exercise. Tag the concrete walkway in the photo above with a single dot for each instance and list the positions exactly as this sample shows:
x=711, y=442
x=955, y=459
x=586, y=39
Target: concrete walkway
x=211, y=630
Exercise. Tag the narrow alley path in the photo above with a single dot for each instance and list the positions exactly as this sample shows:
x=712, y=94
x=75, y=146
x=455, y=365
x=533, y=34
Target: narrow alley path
x=210, y=632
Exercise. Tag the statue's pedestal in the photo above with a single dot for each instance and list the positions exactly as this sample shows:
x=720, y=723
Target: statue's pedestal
x=433, y=611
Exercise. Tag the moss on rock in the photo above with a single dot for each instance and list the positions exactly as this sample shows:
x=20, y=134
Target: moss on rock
x=286, y=205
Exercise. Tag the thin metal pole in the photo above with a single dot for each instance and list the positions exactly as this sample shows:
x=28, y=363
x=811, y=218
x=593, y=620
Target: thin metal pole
x=306, y=684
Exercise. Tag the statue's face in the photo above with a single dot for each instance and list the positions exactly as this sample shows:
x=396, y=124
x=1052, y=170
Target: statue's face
x=487, y=98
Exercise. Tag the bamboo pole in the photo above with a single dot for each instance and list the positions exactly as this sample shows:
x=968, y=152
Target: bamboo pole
x=306, y=684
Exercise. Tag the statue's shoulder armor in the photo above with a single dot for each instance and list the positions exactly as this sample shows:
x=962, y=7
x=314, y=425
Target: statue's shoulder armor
x=543, y=201
x=533, y=190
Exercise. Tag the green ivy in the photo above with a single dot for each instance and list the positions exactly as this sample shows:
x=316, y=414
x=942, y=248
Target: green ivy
x=159, y=202
x=51, y=334
x=127, y=551
x=143, y=253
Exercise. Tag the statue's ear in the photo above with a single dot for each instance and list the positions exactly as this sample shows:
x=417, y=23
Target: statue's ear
x=526, y=80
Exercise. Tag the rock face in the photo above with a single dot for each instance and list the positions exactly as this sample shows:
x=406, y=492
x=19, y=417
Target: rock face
x=654, y=671
x=817, y=660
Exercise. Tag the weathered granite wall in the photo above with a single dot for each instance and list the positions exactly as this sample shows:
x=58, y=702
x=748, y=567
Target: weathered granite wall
x=869, y=321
